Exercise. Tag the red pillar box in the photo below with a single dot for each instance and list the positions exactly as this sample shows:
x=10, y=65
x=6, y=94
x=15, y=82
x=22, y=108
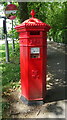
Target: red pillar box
x=33, y=58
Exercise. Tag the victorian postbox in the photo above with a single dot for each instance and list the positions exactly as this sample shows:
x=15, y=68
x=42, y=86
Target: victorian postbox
x=33, y=58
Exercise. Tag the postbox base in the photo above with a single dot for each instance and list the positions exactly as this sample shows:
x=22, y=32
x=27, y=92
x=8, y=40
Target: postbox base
x=31, y=102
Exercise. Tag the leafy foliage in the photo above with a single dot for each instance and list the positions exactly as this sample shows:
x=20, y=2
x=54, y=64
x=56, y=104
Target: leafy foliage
x=56, y=20
x=53, y=13
x=13, y=34
x=40, y=9
x=10, y=71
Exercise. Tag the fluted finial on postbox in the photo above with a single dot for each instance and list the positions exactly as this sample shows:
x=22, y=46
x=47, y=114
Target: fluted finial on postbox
x=33, y=13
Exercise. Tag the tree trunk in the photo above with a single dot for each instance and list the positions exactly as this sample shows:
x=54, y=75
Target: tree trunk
x=23, y=11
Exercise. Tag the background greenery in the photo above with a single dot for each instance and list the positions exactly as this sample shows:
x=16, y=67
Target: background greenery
x=10, y=71
x=53, y=13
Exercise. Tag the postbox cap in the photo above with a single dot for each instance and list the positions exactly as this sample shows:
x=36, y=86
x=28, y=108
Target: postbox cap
x=33, y=22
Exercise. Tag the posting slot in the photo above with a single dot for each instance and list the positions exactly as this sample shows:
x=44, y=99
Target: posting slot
x=34, y=32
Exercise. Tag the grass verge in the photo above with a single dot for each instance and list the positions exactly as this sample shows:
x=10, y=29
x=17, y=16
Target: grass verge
x=9, y=71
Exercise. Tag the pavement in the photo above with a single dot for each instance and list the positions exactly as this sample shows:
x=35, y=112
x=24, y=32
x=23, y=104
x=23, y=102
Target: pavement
x=56, y=101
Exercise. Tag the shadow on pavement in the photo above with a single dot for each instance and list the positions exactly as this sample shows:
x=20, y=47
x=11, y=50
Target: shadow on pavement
x=56, y=94
x=56, y=83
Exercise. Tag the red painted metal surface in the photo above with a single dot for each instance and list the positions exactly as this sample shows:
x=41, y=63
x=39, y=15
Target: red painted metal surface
x=33, y=57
